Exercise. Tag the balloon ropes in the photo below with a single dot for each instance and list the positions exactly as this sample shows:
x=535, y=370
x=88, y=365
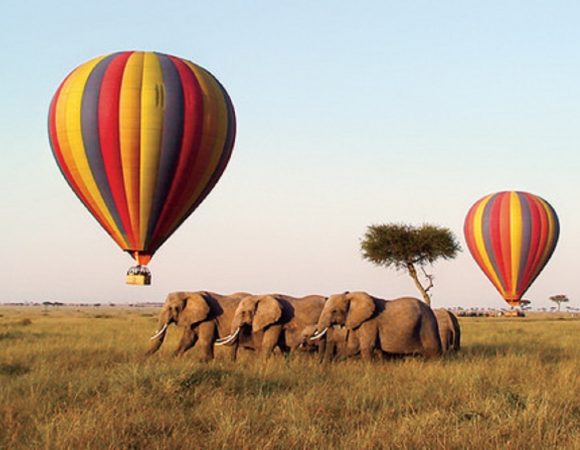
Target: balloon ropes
x=141, y=138
x=511, y=235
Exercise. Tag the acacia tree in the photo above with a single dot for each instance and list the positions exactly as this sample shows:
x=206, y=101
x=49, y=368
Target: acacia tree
x=559, y=299
x=406, y=247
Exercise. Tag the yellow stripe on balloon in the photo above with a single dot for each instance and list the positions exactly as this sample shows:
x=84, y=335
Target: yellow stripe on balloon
x=151, y=130
x=516, y=228
x=74, y=152
x=129, y=136
x=480, y=242
x=63, y=142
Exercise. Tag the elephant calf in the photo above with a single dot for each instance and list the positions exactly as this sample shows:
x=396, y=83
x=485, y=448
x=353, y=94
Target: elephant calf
x=274, y=321
x=337, y=341
x=401, y=326
x=203, y=317
x=449, y=330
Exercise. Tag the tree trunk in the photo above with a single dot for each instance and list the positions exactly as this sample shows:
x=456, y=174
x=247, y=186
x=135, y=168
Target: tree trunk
x=413, y=275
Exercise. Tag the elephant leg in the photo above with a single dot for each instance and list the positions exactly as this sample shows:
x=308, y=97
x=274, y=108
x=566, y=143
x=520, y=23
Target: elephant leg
x=233, y=351
x=366, y=344
x=430, y=340
x=322, y=344
x=207, y=333
x=188, y=340
x=270, y=340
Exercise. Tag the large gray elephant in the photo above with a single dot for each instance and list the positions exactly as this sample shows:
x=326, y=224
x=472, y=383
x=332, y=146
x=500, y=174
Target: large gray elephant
x=401, y=326
x=203, y=316
x=274, y=320
x=449, y=330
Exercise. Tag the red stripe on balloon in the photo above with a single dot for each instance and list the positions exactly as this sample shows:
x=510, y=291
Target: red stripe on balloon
x=496, y=227
x=469, y=232
x=180, y=190
x=61, y=162
x=534, y=219
x=504, y=227
x=226, y=151
x=109, y=99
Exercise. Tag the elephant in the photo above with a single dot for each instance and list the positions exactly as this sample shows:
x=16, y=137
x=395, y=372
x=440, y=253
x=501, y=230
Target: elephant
x=449, y=330
x=274, y=321
x=203, y=316
x=336, y=342
x=397, y=327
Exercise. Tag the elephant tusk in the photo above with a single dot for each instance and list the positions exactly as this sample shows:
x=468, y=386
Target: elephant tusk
x=226, y=340
x=159, y=333
x=319, y=335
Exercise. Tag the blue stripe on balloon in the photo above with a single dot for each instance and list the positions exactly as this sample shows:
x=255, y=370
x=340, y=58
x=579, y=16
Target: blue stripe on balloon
x=90, y=133
x=526, y=222
x=171, y=139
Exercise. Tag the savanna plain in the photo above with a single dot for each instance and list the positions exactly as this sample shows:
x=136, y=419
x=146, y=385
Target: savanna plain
x=77, y=378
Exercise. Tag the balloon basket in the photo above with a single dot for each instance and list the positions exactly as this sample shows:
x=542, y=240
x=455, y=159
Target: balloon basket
x=138, y=276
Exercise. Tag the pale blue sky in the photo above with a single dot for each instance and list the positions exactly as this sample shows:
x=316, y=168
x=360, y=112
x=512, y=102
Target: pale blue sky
x=348, y=115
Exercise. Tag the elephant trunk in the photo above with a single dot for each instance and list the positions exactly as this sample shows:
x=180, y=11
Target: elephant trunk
x=319, y=334
x=322, y=326
x=159, y=335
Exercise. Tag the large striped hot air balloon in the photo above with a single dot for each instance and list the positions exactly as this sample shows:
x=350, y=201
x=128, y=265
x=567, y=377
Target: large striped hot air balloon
x=141, y=138
x=511, y=235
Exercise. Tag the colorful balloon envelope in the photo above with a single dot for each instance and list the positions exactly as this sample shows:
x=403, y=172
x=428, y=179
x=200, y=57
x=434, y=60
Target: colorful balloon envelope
x=511, y=235
x=141, y=138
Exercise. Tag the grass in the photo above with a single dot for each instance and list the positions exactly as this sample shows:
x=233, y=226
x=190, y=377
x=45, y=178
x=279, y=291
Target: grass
x=76, y=378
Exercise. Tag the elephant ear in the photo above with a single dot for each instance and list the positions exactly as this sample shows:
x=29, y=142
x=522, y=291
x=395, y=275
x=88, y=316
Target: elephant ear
x=268, y=311
x=362, y=307
x=195, y=309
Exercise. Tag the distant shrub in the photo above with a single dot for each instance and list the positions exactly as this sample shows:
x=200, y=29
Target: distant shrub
x=10, y=335
x=13, y=369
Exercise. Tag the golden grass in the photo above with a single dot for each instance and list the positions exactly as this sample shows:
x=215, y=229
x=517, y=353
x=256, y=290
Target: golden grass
x=76, y=378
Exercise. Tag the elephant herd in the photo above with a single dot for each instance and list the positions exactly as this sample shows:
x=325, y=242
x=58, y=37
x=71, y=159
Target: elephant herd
x=347, y=324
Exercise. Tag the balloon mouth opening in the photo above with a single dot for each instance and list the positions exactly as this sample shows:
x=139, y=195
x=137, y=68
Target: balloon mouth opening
x=141, y=258
x=138, y=276
x=513, y=301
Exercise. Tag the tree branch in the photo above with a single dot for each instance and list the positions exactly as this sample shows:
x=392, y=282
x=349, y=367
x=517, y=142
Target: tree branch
x=413, y=274
x=430, y=277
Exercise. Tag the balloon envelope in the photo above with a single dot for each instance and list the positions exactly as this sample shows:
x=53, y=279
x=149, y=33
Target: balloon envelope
x=511, y=235
x=141, y=138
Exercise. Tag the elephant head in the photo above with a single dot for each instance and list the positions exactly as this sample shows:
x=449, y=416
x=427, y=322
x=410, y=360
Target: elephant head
x=255, y=312
x=183, y=309
x=349, y=309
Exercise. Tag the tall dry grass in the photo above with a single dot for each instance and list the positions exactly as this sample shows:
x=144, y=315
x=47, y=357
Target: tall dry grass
x=77, y=379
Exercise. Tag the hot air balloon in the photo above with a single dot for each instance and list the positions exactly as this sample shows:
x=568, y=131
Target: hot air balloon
x=511, y=235
x=141, y=138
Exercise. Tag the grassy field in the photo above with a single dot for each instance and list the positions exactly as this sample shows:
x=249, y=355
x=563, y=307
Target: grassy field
x=76, y=378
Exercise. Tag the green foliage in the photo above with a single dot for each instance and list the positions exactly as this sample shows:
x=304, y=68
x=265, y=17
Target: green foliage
x=72, y=381
x=398, y=245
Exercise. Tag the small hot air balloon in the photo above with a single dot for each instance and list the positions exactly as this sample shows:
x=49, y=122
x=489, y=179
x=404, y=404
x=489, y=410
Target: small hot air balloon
x=141, y=138
x=511, y=235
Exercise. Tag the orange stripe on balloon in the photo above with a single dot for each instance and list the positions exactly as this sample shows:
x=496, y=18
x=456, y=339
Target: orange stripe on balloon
x=130, y=139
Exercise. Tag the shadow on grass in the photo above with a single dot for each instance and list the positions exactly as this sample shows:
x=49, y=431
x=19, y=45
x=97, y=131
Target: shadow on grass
x=235, y=382
x=15, y=335
x=491, y=351
x=13, y=369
